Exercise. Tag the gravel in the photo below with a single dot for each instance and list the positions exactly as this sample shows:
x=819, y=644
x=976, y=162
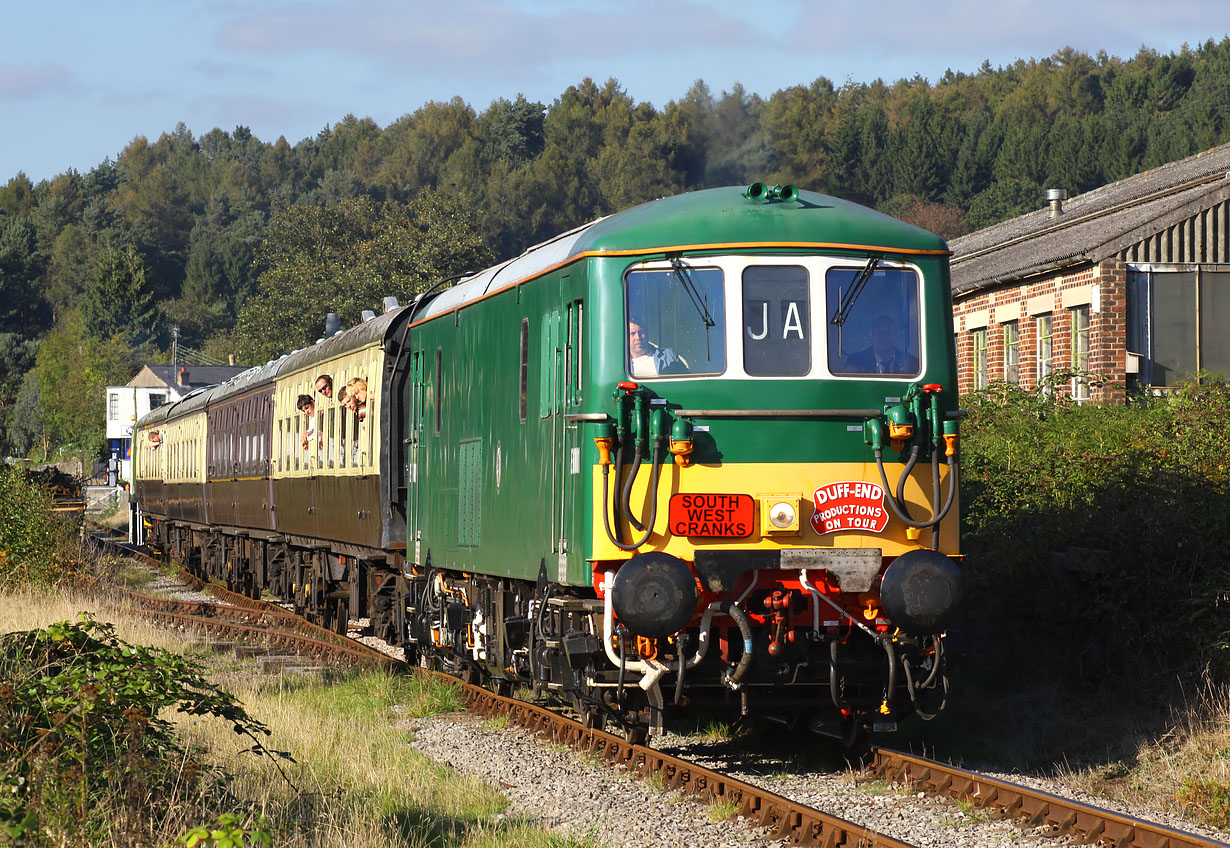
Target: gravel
x=569, y=793
x=163, y=586
x=566, y=792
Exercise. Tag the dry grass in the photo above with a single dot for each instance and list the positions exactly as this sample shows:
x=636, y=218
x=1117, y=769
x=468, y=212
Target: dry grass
x=1185, y=772
x=24, y=610
x=355, y=779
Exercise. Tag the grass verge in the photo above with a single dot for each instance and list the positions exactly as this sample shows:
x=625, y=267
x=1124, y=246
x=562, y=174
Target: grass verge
x=354, y=778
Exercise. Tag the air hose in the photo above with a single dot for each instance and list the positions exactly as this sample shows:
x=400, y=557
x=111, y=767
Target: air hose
x=897, y=502
x=625, y=494
x=623, y=507
x=749, y=646
x=936, y=671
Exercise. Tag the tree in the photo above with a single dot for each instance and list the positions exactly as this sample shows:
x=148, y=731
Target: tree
x=25, y=427
x=21, y=267
x=73, y=370
x=74, y=261
x=346, y=257
x=17, y=196
x=16, y=360
x=118, y=303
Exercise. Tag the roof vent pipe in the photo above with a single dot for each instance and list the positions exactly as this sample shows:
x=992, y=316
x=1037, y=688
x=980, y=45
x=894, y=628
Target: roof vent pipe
x=368, y=315
x=332, y=324
x=1055, y=197
x=390, y=303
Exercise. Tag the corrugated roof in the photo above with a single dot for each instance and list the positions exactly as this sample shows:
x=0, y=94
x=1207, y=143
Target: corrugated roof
x=1094, y=225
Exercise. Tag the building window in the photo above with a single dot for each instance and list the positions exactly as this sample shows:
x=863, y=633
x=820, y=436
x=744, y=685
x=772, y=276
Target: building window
x=157, y=399
x=1176, y=321
x=113, y=407
x=980, y=358
x=1080, y=352
x=1046, y=347
x=1012, y=352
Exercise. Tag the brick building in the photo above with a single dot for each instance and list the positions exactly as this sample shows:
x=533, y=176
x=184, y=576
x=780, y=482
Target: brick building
x=1128, y=283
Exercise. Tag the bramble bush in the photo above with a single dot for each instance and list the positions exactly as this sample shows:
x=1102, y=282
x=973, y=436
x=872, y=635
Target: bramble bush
x=1097, y=537
x=85, y=757
x=37, y=546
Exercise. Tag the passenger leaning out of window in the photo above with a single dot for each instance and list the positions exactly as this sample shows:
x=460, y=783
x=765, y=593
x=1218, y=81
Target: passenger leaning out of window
x=307, y=406
x=353, y=396
x=324, y=385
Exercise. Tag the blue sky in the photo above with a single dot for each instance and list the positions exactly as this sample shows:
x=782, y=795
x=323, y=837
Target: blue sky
x=79, y=80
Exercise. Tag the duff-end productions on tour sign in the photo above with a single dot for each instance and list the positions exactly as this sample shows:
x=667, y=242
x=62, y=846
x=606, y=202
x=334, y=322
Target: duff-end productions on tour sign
x=712, y=515
x=849, y=505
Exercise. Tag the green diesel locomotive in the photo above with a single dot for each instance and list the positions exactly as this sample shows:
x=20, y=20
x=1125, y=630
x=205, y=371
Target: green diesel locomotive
x=702, y=451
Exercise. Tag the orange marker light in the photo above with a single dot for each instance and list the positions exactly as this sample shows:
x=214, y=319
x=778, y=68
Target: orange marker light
x=604, y=444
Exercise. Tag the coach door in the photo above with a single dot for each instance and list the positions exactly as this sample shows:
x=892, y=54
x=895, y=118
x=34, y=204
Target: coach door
x=561, y=395
x=551, y=410
x=415, y=456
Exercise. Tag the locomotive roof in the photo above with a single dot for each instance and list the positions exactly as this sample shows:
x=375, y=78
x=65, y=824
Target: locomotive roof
x=712, y=219
x=716, y=218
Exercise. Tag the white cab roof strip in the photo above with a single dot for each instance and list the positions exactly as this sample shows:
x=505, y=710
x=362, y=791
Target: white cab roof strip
x=534, y=261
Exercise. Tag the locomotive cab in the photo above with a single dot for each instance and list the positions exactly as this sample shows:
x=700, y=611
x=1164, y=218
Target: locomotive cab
x=775, y=484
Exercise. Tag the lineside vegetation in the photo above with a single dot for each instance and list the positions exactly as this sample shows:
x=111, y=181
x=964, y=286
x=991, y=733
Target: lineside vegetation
x=1098, y=616
x=37, y=547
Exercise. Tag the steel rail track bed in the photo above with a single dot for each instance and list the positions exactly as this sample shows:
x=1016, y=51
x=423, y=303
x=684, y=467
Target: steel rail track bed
x=1059, y=816
x=783, y=819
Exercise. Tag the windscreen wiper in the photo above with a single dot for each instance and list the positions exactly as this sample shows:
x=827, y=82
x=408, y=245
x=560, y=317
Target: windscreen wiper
x=681, y=271
x=856, y=288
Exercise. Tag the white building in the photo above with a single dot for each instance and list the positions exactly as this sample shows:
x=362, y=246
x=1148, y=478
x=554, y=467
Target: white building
x=153, y=386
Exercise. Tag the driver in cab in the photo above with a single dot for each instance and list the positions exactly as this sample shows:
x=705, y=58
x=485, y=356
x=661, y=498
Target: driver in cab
x=648, y=359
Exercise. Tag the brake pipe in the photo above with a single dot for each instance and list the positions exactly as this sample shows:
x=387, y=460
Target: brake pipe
x=841, y=611
x=815, y=607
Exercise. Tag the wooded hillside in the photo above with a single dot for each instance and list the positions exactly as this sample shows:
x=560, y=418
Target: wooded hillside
x=209, y=232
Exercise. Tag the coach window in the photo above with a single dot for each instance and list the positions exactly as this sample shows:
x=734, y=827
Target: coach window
x=873, y=321
x=439, y=398
x=523, y=370
x=331, y=451
x=676, y=322
x=776, y=325
x=365, y=425
x=342, y=442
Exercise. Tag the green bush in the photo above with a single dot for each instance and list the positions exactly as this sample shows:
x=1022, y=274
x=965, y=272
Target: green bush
x=84, y=756
x=37, y=546
x=1097, y=537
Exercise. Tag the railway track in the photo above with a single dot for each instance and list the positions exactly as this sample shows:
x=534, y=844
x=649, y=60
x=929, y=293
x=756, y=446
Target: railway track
x=1056, y=815
x=238, y=616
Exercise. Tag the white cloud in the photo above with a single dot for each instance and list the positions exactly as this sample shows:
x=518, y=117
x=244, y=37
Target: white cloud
x=488, y=33
x=28, y=82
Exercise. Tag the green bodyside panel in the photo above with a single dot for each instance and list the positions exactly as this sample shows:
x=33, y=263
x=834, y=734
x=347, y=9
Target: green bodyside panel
x=469, y=492
x=528, y=482
x=487, y=476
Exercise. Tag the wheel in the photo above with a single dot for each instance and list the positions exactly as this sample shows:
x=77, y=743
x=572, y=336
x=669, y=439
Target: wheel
x=636, y=735
x=853, y=731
